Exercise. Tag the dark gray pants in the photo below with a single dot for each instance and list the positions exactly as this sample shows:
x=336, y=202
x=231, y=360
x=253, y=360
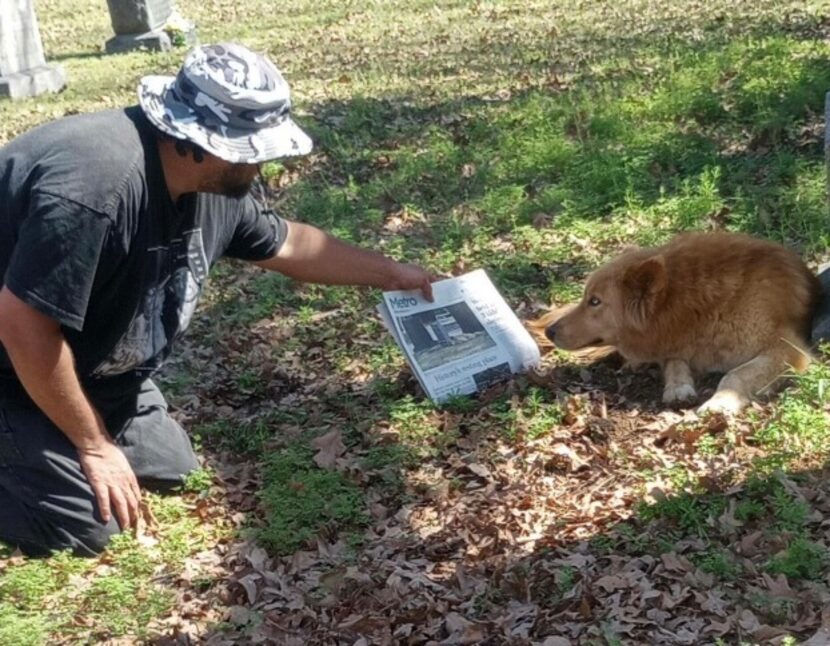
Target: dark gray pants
x=46, y=502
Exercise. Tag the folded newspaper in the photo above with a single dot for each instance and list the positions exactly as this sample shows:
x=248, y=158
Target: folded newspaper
x=468, y=338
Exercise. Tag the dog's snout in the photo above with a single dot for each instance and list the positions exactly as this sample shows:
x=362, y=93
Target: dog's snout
x=550, y=332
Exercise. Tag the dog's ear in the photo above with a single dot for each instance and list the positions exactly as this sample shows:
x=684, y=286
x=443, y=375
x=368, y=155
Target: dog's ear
x=646, y=278
x=643, y=283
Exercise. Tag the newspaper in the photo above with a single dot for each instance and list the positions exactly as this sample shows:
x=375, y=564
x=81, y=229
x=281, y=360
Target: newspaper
x=465, y=340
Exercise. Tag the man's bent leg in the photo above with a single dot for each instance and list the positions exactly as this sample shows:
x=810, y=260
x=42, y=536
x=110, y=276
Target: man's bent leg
x=46, y=502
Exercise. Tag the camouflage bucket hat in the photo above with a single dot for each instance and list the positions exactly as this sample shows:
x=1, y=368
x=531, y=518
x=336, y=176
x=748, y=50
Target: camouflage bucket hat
x=232, y=102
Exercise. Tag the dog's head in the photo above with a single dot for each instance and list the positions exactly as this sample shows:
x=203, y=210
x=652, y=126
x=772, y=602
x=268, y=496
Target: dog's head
x=620, y=297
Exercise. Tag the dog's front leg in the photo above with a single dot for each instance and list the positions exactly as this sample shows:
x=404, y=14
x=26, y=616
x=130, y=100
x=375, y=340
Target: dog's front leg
x=679, y=384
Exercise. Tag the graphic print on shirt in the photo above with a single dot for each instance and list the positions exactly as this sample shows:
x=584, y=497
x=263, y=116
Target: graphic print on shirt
x=173, y=282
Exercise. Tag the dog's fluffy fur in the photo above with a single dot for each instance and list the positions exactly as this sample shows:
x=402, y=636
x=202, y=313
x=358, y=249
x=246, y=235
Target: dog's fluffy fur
x=704, y=302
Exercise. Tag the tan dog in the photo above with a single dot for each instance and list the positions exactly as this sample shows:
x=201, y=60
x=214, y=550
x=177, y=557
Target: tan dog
x=704, y=302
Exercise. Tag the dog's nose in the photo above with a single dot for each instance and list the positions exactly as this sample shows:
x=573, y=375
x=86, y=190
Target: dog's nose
x=550, y=332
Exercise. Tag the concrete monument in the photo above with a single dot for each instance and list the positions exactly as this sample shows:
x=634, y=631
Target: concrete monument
x=23, y=69
x=151, y=24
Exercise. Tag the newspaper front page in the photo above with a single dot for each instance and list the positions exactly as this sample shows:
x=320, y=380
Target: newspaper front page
x=464, y=341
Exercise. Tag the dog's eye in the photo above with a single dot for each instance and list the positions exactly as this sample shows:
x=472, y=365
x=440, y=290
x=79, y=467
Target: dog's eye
x=594, y=301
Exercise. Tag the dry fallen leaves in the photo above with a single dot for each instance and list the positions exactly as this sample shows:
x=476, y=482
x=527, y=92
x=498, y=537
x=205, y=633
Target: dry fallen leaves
x=329, y=447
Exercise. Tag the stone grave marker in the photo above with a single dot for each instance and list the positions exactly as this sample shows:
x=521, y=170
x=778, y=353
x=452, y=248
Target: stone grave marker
x=23, y=69
x=151, y=24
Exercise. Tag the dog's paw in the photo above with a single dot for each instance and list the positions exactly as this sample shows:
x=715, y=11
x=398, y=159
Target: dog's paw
x=678, y=393
x=727, y=402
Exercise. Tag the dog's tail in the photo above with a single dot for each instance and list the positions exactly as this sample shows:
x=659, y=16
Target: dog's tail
x=537, y=327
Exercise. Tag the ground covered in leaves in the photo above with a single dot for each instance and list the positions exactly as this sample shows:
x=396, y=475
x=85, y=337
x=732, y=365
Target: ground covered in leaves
x=568, y=508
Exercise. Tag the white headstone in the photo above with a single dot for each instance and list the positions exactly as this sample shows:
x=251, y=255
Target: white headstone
x=23, y=70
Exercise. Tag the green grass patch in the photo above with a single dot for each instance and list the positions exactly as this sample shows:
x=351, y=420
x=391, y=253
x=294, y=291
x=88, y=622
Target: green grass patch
x=798, y=431
x=301, y=500
x=22, y=628
x=245, y=438
x=685, y=514
x=124, y=599
x=802, y=559
x=25, y=585
x=720, y=563
x=119, y=595
x=534, y=415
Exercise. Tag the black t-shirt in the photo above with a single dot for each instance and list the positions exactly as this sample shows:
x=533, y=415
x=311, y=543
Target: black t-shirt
x=90, y=237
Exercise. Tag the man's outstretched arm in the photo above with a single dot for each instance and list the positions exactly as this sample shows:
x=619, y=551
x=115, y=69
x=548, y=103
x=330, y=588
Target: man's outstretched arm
x=45, y=366
x=313, y=256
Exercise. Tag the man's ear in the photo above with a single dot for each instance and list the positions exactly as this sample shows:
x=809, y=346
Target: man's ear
x=643, y=283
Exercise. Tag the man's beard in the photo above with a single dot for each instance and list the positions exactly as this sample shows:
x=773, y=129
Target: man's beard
x=237, y=191
x=234, y=182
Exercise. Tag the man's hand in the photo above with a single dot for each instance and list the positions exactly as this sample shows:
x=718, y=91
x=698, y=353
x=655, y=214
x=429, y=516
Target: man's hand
x=113, y=481
x=408, y=276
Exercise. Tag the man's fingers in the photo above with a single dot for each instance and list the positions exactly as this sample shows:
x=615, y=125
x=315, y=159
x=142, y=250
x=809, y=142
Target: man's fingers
x=131, y=496
x=134, y=503
x=103, y=497
x=426, y=290
x=125, y=507
x=135, y=488
x=114, y=484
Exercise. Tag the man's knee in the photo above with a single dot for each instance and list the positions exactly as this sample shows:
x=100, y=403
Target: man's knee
x=88, y=537
x=91, y=539
x=159, y=451
x=156, y=446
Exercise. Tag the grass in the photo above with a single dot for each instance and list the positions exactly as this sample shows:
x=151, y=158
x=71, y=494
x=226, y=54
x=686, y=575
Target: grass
x=720, y=563
x=68, y=598
x=302, y=501
x=20, y=628
x=801, y=560
x=799, y=427
x=685, y=514
x=531, y=418
x=531, y=138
